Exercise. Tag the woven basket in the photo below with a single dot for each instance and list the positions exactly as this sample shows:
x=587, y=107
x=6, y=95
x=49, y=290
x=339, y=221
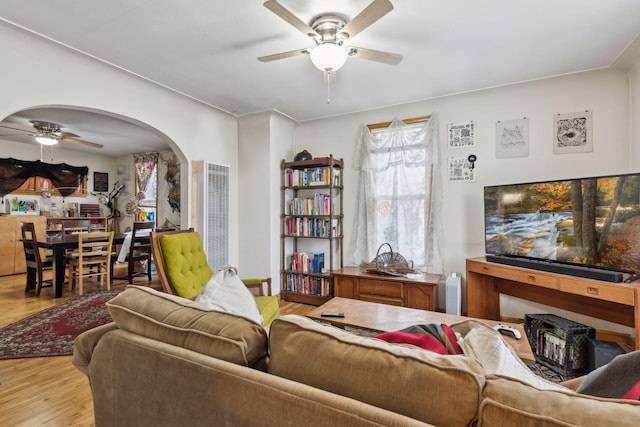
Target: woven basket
x=387, y=262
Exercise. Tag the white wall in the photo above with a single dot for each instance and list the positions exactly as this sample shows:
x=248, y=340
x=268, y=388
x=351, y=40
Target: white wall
x=195, y=131
x=605, y=92
x=264, y=139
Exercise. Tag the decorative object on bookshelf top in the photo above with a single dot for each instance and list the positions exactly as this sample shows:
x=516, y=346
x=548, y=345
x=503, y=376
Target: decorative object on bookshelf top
x=303, y=155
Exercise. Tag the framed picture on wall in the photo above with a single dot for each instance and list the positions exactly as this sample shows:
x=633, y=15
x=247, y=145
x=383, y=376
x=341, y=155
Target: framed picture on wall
x=512, y=138
x=572, y=133
x=100, y=182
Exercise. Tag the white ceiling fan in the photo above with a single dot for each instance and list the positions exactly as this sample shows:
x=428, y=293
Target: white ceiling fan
x=331, y=33
x=47, y=133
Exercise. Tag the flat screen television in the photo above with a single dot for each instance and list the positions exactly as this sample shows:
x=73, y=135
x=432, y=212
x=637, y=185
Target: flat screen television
x=587, y=227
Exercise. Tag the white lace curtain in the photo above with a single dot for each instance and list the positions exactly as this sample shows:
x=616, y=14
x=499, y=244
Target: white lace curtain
x=399, y=193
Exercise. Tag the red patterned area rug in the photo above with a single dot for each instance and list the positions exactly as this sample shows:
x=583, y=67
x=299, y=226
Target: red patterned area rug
x=52, y=331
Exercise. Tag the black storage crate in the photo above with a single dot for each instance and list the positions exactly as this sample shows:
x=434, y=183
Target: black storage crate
x=559, y=343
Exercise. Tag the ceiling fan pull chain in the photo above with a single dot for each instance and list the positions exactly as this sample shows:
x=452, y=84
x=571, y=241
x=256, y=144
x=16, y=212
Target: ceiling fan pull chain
x=327, y=77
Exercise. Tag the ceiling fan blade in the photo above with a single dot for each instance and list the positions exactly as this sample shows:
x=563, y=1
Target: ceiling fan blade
x=16, y=134
x=283, y=55
x=29, y=132
x=289, y=17
x=80, y=141
x=68, y=135
x=375, y=55
x=376, y=10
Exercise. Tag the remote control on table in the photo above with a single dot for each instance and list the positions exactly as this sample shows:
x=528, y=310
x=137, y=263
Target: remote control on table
x=331, y=314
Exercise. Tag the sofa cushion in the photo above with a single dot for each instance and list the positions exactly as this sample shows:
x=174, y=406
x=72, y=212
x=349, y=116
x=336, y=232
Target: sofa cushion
x=433, y=388
x=182, y=322
x=510, y=402
x=187, y=268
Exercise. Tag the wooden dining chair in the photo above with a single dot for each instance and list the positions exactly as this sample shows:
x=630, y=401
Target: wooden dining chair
x=92, y=259
x=36, y=262
x=140, y=251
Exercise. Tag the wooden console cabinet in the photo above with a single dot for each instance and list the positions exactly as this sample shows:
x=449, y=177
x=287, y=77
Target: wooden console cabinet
x=413, y=291
x=12, y=260
x=614, y=302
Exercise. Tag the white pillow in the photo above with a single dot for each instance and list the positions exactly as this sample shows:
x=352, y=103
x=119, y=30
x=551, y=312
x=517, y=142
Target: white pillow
x=226, y=292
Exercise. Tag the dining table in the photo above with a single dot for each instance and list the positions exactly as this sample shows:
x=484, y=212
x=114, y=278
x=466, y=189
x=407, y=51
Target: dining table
x=59, y=244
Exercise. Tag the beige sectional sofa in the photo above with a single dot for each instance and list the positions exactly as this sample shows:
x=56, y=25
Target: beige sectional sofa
x=166, y=361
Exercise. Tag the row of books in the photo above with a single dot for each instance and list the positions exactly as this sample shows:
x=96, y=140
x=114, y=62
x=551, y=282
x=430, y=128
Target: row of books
x=308, y=285
x=306, y=262
x=319, y=204
x=309, y=227
x=311, y=176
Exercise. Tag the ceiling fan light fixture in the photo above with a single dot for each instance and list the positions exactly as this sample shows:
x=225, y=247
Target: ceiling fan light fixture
x=328, y=57
x=46, y=140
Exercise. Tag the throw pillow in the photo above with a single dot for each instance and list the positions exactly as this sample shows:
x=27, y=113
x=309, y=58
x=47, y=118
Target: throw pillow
x=226, y=292
x=616, y=379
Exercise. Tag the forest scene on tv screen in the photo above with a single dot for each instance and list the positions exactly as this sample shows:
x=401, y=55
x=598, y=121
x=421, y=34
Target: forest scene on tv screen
x=591, y=221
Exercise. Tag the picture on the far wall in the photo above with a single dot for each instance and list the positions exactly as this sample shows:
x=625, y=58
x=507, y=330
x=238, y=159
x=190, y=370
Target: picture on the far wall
x=100, y=182
x=512, y=138
x=572, y=133
x=461, y=135
x=461, y=169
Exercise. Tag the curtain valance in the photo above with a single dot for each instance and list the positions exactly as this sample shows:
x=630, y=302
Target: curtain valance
x=65, y=178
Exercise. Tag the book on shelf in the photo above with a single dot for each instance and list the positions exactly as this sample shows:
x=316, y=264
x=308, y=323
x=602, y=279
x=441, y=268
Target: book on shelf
x=308, y=227
x=308, y=285
x=309, y=176
x=319, y=204
x=306, y=262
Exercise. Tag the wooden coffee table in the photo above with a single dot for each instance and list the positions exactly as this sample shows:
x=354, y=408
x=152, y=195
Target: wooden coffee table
x=385, y=318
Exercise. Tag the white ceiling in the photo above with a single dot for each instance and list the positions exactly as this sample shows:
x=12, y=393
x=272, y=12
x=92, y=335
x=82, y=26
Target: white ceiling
x=207, y=49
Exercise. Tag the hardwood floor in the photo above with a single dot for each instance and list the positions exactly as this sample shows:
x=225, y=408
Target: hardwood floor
x=50, y=391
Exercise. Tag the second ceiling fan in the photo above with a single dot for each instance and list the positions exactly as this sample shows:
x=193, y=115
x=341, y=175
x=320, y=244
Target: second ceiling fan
x=331, y=32
x=47, y=133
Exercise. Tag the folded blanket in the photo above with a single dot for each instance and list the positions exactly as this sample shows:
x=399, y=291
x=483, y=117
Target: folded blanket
x=440, y=339
x=475, y=339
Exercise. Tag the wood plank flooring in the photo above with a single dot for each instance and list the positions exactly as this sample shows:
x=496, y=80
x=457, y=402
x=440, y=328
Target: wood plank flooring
x=50, y=391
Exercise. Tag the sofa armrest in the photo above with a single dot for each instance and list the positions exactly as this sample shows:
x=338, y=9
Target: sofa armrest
x=84, y=344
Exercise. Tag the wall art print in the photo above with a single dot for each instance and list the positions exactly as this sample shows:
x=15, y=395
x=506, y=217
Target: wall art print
x=573, y=133
x=512, y=138
x=461, y=135
x=461, y=169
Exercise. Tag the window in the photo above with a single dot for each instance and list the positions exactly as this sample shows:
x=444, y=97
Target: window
x=397, y=162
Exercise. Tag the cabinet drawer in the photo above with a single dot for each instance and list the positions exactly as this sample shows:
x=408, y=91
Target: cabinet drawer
x=380, y=287
x=518, y=274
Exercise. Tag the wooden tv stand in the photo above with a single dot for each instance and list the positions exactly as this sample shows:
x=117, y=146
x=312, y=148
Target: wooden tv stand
x=614, y=302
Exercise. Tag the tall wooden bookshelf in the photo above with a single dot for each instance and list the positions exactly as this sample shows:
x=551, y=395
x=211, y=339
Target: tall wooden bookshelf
x=311, y=228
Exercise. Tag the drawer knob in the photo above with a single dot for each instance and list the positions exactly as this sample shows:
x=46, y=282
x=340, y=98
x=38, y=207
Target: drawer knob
x=531, y=278
x=591, y=290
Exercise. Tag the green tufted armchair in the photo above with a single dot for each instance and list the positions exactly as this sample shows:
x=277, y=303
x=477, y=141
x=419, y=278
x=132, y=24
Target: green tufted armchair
x=183, y=270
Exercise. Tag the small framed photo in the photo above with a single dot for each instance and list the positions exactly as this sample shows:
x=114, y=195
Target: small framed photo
x=572, y=133
x=100, y=182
